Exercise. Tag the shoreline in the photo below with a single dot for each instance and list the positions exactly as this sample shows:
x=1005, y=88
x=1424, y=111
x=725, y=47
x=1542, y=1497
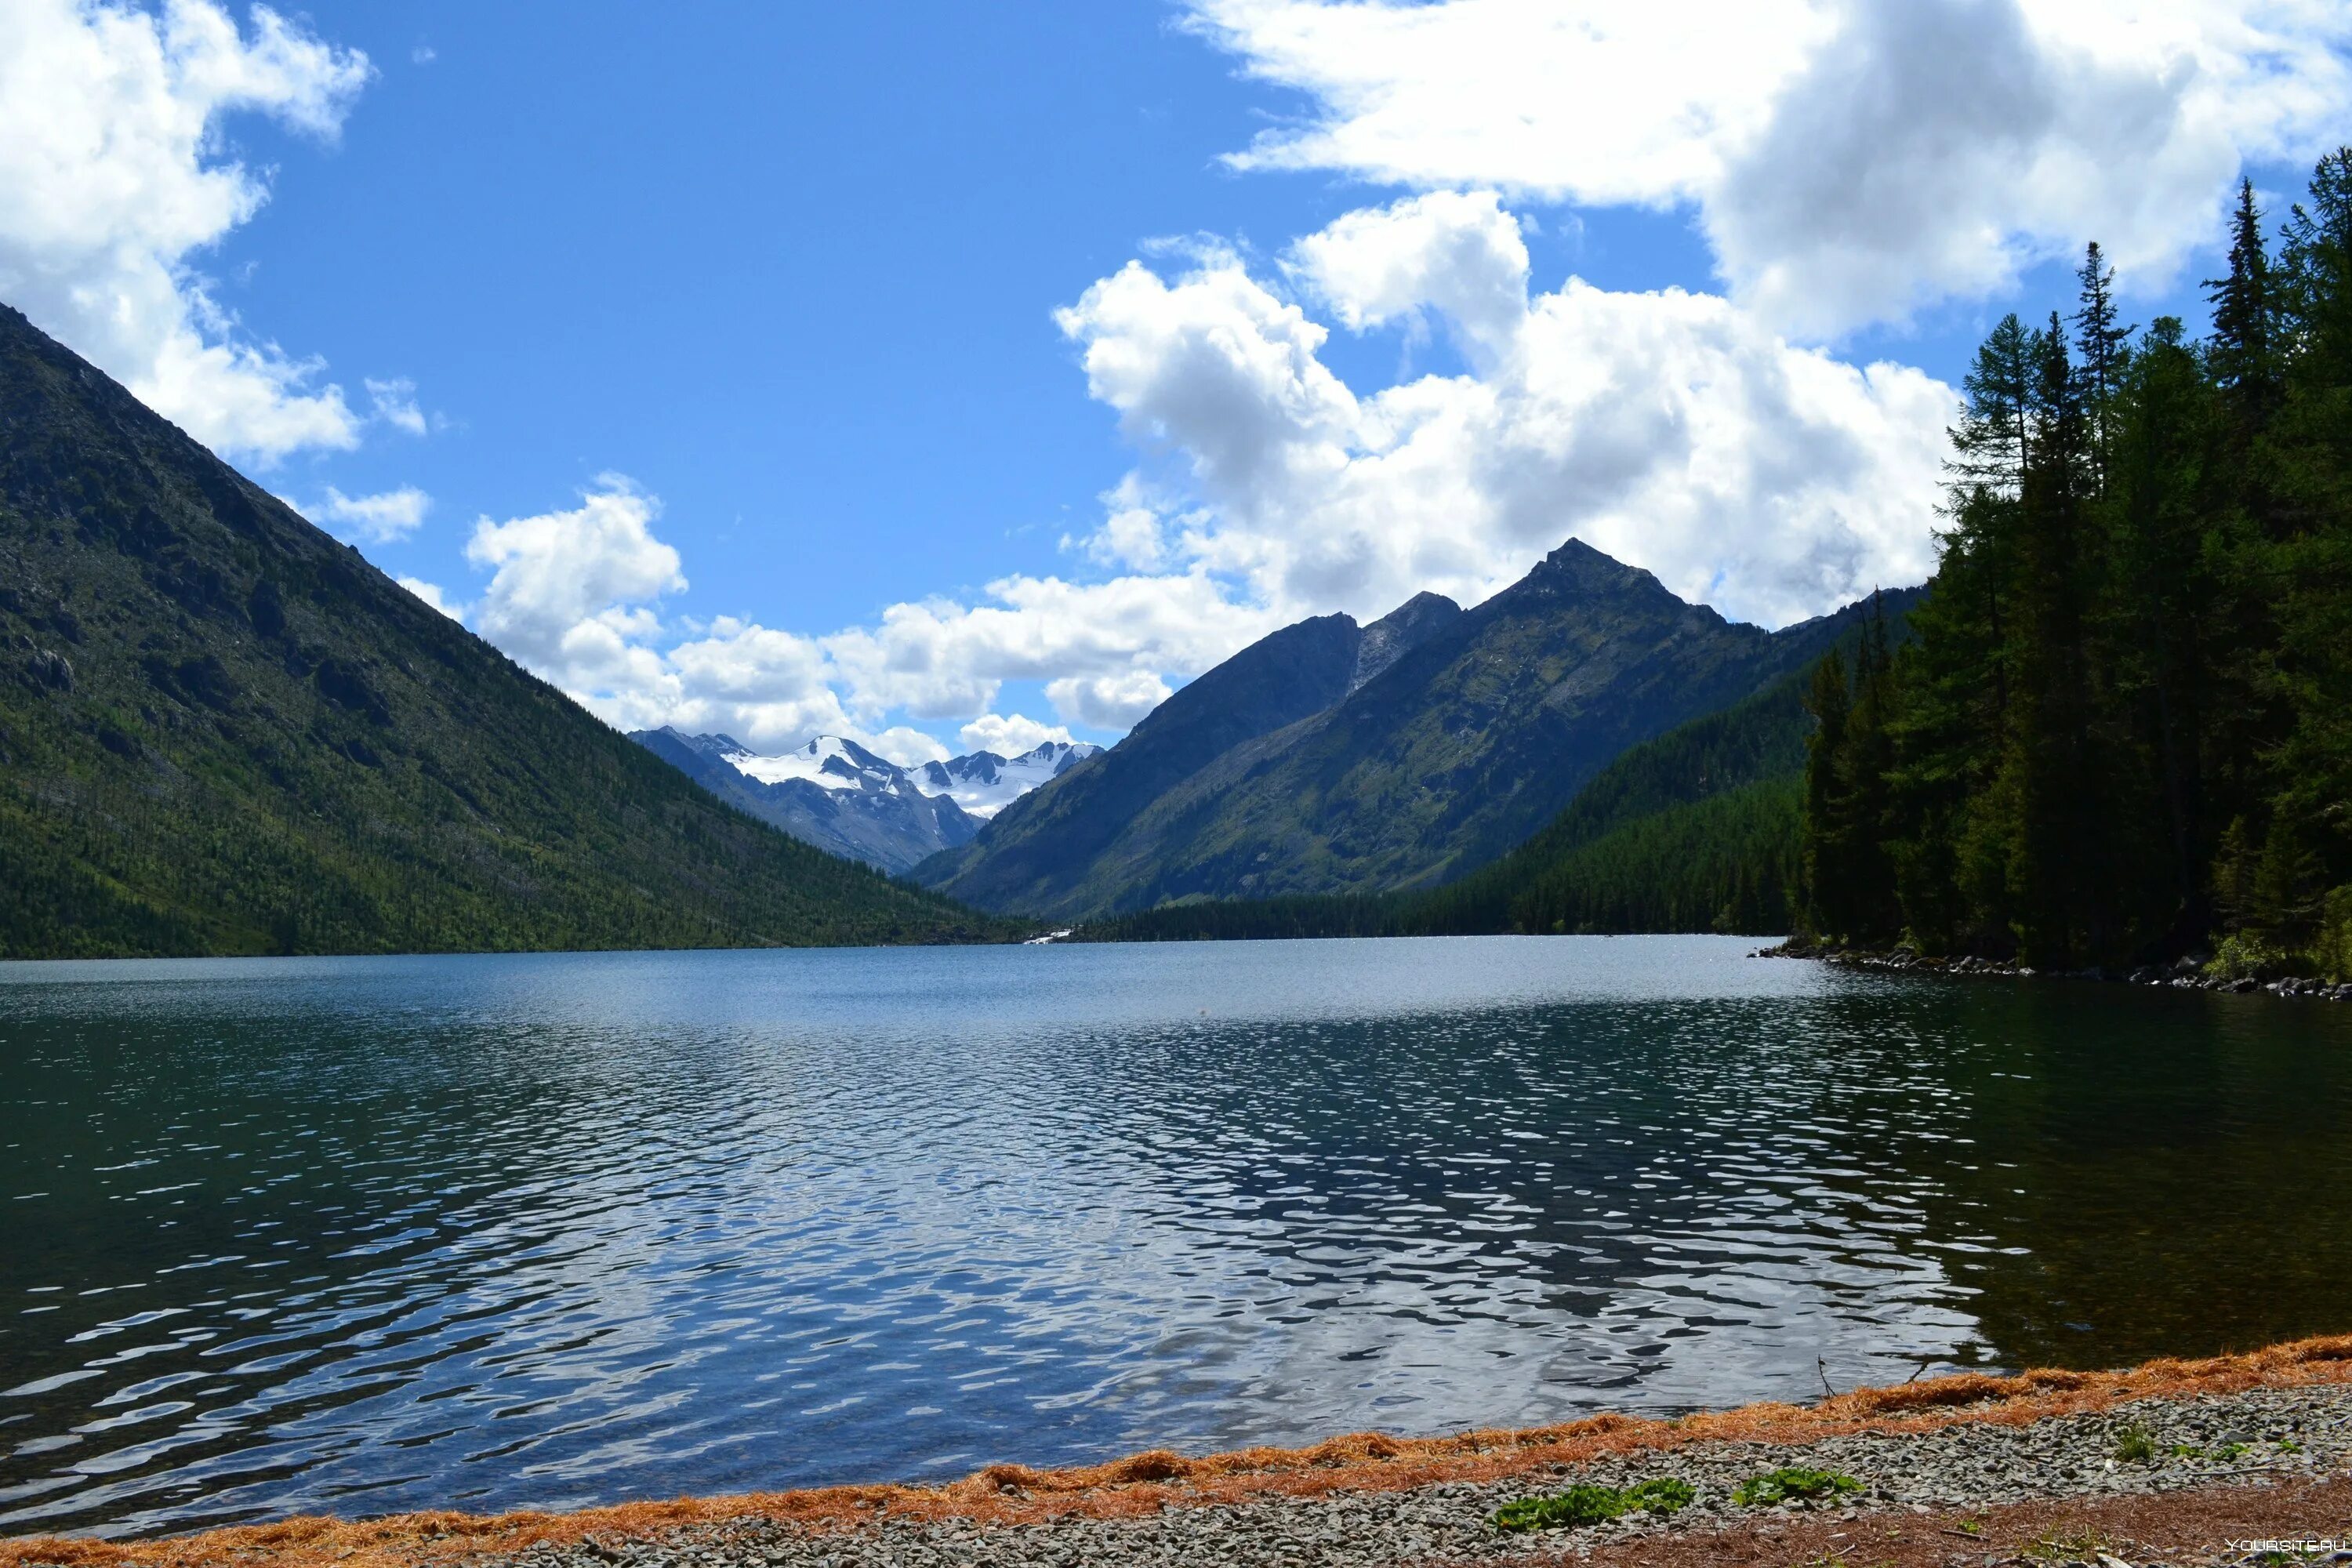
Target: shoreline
x=1149, y=1490
x=2184, y=975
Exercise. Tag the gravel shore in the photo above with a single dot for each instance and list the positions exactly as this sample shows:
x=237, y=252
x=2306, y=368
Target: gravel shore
x=2176, y=1462
x=2271, y=1436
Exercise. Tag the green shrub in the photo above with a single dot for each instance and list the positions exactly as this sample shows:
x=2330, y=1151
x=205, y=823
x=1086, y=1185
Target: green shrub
x=1792, y=1481
x=1659, y=1494
x=2135, y=1445
x=2244, y=955
x=2332, y=953
x=1558, y=1510
x=1590, y=1504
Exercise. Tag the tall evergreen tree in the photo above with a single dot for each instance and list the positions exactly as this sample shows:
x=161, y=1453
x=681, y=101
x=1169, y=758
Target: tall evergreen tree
x=1823, y=872
x=2100, y=344
x=2245, y=309
x=2124, y=727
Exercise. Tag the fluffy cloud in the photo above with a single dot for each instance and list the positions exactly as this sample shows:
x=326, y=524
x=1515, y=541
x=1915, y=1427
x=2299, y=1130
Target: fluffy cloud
x=380, y=519
x=1009, y=735
x=1106, y=701
x=395, y=404
x=433, y=594
x=1849, y=160
x=111, y=177
x=1456, y=254
x=570, y=595
x=576, y=595
x=1670, y=429
x=941, y=659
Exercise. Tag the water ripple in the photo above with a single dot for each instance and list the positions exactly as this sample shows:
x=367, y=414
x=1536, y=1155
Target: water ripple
x=364, y=1235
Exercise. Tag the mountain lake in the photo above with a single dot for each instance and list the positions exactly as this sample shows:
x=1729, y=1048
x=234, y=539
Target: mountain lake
x=356, y=1236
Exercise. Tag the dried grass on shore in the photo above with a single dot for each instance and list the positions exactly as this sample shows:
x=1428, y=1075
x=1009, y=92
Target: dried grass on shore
x=1147, y=1482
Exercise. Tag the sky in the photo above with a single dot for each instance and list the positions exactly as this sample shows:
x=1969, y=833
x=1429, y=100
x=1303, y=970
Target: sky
x=950, y=376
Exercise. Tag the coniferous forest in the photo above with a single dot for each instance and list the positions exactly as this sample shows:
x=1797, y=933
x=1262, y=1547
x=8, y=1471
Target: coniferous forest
x=2122, y=729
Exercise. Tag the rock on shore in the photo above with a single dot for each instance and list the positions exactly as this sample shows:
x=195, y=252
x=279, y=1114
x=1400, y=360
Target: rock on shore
x=2185, y=974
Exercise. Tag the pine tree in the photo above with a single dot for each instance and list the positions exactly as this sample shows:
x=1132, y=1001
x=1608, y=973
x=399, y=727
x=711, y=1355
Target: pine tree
x=2123, y=727
x=1989, y=443
x=1824, y=875
x=2101, y=345
x=2245, y=309
x=2047, y=835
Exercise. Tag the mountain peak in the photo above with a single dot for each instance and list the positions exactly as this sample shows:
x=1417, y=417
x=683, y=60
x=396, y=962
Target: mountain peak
x=1416, y=621
x=985, y=782
x=1331, y=758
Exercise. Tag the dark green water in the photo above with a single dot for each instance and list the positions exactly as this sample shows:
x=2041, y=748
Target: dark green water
x=363, y=1235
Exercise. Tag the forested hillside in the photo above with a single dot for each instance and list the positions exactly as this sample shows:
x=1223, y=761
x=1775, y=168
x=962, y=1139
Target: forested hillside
x=1465, y=733
x=2124, y=729
x=222, y=731
x=1694, y=831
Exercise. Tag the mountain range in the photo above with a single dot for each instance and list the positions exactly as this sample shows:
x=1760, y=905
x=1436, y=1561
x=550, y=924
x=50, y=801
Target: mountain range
x=1330, y=758
x=834, y=794
x=220, y=730
x=1696, y=829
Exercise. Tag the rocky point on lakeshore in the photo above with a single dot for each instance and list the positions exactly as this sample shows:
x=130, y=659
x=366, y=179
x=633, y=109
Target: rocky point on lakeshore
x=2186, y=974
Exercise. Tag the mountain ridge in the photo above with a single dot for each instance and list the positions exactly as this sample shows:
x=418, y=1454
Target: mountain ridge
x=220, y=730
x=834, y=794
x=1465, y=742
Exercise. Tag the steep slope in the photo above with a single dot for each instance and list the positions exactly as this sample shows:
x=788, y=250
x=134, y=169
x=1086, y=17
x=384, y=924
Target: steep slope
x=1693, y=830
x=1461, y=747
x=222, y=731
x=1040, y=849
x=831, y=793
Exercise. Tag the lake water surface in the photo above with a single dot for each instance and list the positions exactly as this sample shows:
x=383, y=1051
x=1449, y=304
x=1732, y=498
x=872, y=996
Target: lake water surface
x=359, y=1234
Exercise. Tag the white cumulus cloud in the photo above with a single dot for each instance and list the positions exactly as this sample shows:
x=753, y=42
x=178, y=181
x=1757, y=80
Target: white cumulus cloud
x=433, y=594
x=1106, y=701
x=381, y=519
x=570, y=592
x=1671, y=430
x=114, y=177
x=1849, y=160
x=1009, y=735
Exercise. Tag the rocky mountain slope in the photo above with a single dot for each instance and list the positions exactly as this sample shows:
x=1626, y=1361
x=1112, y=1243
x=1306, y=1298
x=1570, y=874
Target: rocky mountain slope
x=223, y=731
x=984, y=784
x=1293, y=776
x=834, y=794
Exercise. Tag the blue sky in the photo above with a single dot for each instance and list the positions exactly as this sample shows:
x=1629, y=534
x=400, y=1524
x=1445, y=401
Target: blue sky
x=795, y=272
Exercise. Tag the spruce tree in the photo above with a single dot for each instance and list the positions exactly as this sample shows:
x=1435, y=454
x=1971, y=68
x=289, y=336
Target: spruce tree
x=2245, y=309
x=2101, y=345
x=1822, y=870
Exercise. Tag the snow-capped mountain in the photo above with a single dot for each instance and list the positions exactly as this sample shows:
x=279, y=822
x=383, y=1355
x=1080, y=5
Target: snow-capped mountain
x=836, y=794
x=984, y=784
x=831, y=793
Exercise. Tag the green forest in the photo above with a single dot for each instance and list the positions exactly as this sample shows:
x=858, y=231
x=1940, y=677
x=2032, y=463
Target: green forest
x=2122, y=729
x=222, y=731
x=1694, y=831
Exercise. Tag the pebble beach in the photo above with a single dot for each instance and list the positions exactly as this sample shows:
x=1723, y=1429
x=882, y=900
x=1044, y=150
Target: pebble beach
x=2233, y=1460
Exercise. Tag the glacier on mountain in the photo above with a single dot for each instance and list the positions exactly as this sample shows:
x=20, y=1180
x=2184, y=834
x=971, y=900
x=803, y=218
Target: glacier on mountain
x=834, y=794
